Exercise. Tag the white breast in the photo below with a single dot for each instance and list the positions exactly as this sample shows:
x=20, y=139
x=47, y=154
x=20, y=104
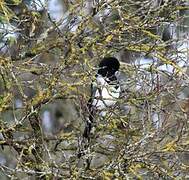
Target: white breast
x=106, y=95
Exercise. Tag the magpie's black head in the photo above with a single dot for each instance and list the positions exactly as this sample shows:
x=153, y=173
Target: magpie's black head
x=108, y=66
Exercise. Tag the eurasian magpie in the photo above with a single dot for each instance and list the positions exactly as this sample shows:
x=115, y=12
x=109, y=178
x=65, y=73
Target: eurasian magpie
x=105, y=90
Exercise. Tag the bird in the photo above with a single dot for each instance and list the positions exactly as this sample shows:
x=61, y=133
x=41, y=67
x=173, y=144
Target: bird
x=105, y=91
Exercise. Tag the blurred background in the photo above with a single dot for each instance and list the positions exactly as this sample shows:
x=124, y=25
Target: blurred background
x=49, y=52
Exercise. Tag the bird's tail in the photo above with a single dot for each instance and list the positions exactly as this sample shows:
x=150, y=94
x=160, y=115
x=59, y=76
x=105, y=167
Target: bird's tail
x=90, y=120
